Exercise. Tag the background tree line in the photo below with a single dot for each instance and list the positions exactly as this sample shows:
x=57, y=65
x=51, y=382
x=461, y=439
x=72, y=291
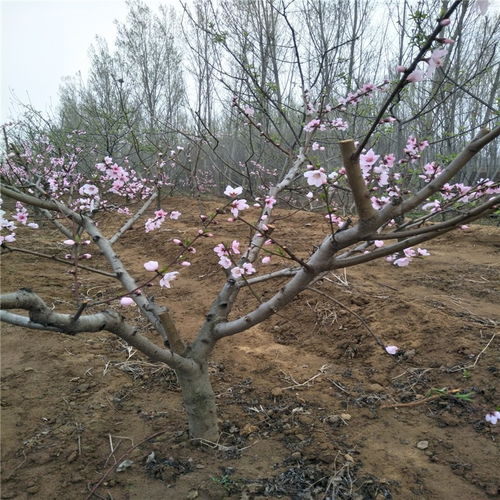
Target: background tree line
x=179, y=81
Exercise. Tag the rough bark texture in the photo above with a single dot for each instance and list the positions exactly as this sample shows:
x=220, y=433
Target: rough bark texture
x=199, y=401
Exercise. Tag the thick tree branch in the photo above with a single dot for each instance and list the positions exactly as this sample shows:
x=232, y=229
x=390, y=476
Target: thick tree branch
x=356, y=182
x=479, y=142
x=131, y=221
x=469, y=216
x=149, y=308
x=28, y=199
x=43, y=317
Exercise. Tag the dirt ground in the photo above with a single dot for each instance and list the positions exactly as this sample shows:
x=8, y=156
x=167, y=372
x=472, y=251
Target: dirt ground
x=310, y=405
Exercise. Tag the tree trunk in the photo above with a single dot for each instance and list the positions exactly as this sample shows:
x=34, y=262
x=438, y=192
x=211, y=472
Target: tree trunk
x=199, y=400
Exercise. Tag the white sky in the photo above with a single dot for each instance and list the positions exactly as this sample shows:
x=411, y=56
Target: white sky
x=43, y=41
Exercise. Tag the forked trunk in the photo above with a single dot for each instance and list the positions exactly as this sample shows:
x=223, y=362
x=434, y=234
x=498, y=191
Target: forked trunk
x=199, y=400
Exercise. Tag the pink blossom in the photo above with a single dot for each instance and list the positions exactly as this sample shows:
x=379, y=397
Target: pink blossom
x=88, y=189
x=270, y=201
x=334, y=218
x=233, y=192
x=10, y=238
x=168, y=278
x=151, y=265
x=235, y=246
x=127, y=301
x=70, y=243
x=400, y=69
x=389, y=160
x=409, y=252
x=237, y=272
x=248, y=110
x=225, y=262
x=266, y=259
x=445, y=22
x=176, y=241
x=402, y=262
x=464, y=227
x=368, y=159
x=161, y=214
x=310, y=109
x=313, y=125
x=86, y=256
x=423, y=252
x=316, y=177
x=447, y=41
x=237, y=206
x=492, y=417
x=310, y=195
x=436, y=60
x=378, y=243
x=339, y=124
x=21, y=217
x=249, y=269
x=422, y=145
x=33, y=225
x=415, y=76
x=185, y=263
x=433, y=206
x=220, y=250
x=392, y=349
x=175, y=215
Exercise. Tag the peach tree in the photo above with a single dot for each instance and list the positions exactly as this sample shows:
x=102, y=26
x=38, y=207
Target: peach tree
x=400, y=200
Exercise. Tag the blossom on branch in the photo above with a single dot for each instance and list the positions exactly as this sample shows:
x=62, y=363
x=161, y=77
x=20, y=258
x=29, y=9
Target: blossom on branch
x=168, y=278
x=316, y=177
x=233, y=192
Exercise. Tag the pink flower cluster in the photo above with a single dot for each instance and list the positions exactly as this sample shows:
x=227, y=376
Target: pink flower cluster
x=237, y=205
x=159, y=218
x=317, y=124
x=409, y=253
x=225, y=261
x=358, y=95
x=414, y=148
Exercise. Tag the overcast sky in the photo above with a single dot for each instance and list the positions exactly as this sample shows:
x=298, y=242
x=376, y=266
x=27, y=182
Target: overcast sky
x=44, y=40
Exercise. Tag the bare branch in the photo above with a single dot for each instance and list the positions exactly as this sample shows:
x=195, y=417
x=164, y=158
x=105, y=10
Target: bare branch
x=58, y=259
x=42, y=317
x=131, y=221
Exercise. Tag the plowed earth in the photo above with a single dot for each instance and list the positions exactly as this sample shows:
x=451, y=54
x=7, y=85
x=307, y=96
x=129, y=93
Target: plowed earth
x=310, y=405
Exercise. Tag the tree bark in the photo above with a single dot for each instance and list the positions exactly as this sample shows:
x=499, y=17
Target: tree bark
x=199, y=401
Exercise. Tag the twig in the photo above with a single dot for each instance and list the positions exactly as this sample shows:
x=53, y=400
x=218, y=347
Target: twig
x=338, y=386
x=57, y=259
x=16, y=467
x=363, y=322
x=106, y=474
x=321, y=372
x=421, y=401
x=484, y=349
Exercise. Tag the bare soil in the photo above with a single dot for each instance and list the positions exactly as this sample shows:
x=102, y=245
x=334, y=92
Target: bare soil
x=310, y=405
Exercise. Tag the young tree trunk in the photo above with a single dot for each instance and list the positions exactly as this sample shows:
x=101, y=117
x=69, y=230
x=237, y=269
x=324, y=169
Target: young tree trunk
x=199, y=401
